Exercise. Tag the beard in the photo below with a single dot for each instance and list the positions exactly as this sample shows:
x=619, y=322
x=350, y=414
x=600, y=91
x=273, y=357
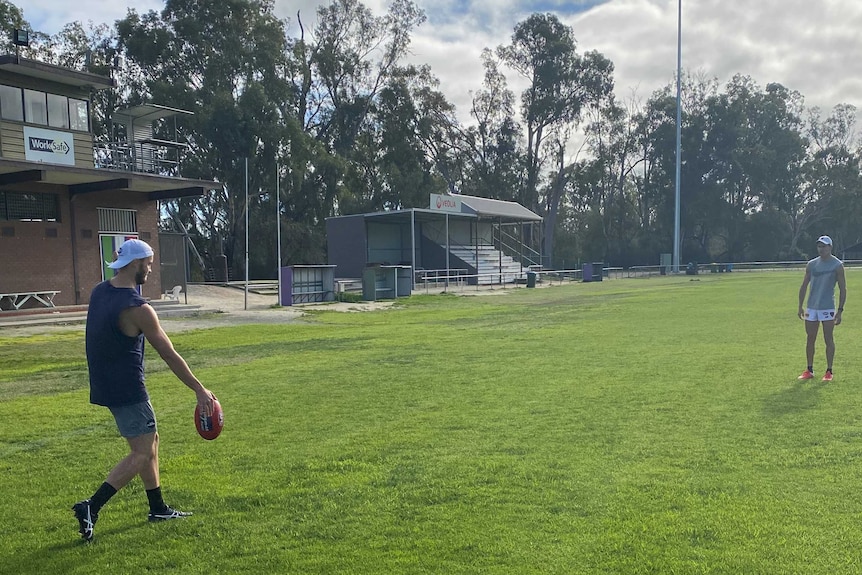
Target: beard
x=141, y=275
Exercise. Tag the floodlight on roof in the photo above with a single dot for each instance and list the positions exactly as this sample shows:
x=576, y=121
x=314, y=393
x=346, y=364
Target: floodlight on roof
x=21, y=37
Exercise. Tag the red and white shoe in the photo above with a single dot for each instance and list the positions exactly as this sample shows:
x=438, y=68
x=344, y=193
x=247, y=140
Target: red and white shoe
x=827, y=376
x=806, y=375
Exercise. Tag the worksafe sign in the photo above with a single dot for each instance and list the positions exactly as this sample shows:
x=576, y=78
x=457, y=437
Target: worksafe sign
x=49, y=146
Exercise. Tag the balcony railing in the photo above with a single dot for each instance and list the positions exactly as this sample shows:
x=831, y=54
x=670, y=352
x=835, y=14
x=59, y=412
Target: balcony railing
x=161, y=157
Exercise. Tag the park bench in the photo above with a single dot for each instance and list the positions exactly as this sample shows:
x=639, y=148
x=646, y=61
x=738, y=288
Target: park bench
x=18, y=299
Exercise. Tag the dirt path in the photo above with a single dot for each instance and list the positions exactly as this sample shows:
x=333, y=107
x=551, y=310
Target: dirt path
x=217, y=306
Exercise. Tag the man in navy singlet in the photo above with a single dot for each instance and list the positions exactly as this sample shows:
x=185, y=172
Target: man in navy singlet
x=822, y=274
x=118, y=322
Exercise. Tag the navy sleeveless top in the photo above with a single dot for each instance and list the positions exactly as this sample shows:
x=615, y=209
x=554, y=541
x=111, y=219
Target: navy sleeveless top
x=115, y=360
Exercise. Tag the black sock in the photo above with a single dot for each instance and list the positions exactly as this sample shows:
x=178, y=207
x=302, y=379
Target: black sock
x=101, y=496
x=829, y=369
x=155, y=497
x=811, y=368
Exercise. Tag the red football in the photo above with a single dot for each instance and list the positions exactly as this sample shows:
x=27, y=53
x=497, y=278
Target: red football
x=209, y=427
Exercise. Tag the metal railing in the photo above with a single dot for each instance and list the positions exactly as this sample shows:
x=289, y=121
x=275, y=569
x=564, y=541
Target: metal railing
x=726, y=267
x=144, y=157
x=520, y=251
x=441, y=276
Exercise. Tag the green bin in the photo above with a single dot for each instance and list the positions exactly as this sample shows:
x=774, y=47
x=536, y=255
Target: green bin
x=531, y=279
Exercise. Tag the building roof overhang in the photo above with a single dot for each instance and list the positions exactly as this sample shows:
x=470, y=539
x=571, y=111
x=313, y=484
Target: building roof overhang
x=473, y=208
x=88, y=180
x=50, y=72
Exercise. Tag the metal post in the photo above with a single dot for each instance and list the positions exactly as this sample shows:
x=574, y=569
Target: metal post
x=676, y=242
x=278, y=226
x=413, y=248
x=245, y=298
x=447, y=251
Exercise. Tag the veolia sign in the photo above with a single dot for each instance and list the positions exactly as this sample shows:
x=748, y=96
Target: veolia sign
x=49, y=146
x=445, y=203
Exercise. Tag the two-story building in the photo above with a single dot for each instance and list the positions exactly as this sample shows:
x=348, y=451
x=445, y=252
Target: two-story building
x=67, y=202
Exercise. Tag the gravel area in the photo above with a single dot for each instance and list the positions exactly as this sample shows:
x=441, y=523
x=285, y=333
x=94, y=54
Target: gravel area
x=221, y=306
x=214, y=306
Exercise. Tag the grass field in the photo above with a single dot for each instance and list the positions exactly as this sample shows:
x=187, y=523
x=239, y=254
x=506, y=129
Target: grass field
x=631, y=426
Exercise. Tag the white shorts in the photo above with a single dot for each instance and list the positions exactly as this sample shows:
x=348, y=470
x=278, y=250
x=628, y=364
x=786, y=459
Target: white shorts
x=819, y=314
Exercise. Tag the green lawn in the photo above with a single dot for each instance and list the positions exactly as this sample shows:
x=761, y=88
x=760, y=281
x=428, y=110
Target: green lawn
x=629, y=426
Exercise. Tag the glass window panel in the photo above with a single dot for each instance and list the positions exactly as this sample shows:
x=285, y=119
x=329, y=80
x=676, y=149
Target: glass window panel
x=58, y=111
x=79, y=117
x=32, y=207
x=11, y=103
x=35, y=107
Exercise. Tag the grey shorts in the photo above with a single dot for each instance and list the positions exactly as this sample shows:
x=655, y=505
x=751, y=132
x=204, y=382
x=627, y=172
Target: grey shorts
x=135, y=420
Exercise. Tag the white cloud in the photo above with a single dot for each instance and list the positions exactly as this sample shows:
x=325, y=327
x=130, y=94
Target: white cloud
x=811, y=47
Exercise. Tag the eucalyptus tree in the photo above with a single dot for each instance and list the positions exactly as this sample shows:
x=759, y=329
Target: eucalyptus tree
x=832, y=177
x=492, y=148
x=218, y=58
x=396, y=156
x=337, y=71
x=560, y=82
x=755, y=153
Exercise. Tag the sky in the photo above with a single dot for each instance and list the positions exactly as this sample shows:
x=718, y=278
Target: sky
x=811, y=47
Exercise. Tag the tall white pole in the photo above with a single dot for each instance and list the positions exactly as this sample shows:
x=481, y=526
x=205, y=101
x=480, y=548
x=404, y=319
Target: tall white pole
x=278, y=226
x=245, y=299
x=676, y=243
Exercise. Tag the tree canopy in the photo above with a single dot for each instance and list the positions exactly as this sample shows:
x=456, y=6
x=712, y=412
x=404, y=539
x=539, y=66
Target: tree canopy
x=326, y=109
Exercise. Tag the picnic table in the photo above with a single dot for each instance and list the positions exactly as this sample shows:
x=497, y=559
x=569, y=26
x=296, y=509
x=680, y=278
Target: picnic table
x=18, y=299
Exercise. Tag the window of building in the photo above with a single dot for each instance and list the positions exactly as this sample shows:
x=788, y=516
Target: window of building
x=11, y=103
x=58, y=111
x=79, y=115
x=29, y=207
x=36, y=107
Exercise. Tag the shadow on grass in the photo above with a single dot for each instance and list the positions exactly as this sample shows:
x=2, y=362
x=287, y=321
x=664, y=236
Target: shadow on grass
x=64, y=554
x=795, y=398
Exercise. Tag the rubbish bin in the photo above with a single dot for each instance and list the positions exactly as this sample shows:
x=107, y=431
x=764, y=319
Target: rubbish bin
x=691, y=269
x=587, y=272
x=531, y=279
x=598, y=268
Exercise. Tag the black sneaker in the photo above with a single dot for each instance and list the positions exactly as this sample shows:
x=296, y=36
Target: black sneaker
x=86, y=519
x=167, y=513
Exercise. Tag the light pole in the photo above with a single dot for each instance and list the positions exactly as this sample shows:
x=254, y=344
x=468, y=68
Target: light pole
x=245, y=297
x=278, y=227
x=676, y=243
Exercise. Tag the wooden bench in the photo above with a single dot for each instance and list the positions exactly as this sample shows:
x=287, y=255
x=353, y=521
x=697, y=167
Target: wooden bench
x=17, y=300
x=310, y=292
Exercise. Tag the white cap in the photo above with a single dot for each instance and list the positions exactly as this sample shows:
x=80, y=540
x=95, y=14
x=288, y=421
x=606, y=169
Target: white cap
x=130, y=251
x=824, y=240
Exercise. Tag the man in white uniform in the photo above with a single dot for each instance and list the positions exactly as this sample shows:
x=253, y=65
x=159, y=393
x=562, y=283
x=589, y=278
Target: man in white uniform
x=822, y=273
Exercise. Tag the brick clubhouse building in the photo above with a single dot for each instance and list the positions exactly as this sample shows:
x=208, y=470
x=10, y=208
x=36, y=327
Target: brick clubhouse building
x=66, y=201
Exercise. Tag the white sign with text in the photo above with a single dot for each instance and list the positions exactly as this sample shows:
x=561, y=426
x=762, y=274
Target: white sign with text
x=445, y=203
x=49, y=146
